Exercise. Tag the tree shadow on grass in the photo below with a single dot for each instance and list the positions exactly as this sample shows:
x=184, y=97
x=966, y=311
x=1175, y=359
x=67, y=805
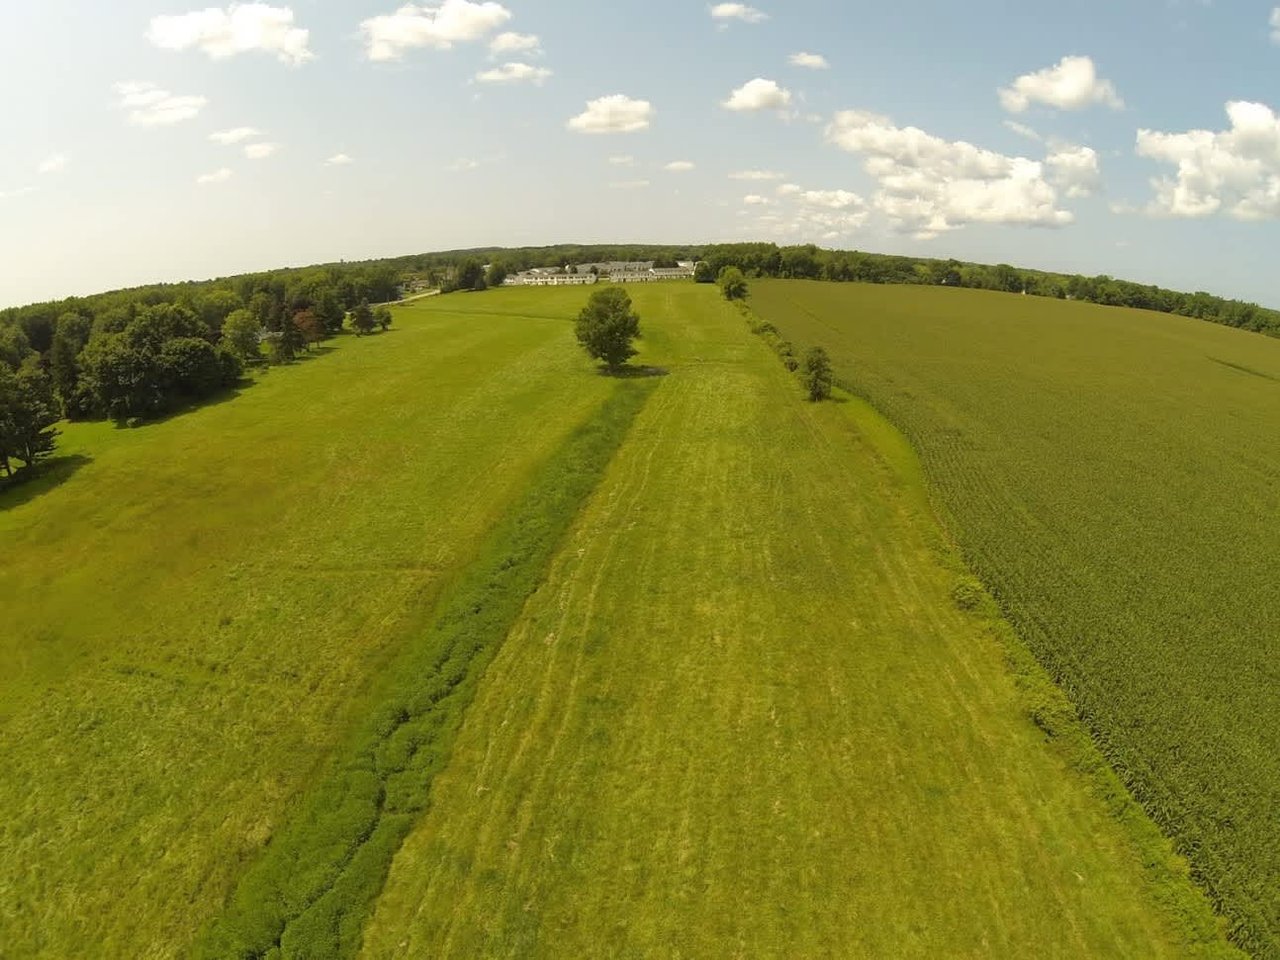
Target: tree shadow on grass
x=30, y=482
x=632, y=373
x=213, y=400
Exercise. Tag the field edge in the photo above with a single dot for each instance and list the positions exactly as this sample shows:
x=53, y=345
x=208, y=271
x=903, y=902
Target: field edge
x=311, y=891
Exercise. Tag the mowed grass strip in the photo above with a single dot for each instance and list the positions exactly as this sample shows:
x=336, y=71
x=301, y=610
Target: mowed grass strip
x=744, y=717
x=196, y=615
x=1114, y=476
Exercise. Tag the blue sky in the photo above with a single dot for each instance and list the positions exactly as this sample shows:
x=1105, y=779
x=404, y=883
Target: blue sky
x=893, y=135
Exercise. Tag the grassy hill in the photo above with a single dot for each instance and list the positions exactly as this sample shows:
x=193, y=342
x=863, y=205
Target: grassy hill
x=1112, y=475
x=653, y=666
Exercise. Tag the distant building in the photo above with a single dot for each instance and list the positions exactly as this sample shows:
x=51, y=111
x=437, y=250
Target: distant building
x=543, y=277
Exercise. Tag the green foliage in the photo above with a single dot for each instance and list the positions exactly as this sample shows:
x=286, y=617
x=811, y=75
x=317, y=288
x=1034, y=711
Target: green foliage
x=382, y=317
x=607, y=326
x=241, y=336
x=1111, y=477
x=733, y=285
x=362, y=319
x=470, y=276
x=313, y=887
x=27, y=415
x=816, y=375
x=497, y=274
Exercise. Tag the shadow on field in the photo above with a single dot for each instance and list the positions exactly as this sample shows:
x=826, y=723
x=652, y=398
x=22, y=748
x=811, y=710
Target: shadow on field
x=214, y=400
x=31, y=482
x=632, y=373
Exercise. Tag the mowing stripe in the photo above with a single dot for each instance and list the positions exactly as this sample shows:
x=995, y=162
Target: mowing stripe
x=311, y=892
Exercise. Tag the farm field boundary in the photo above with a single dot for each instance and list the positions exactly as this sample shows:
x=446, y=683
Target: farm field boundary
x=310, y=892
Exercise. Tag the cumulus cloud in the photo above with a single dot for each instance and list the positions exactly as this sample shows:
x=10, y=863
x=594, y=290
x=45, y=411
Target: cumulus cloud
x=613, y=114
x=1235, y=171
x=811, y=61
x=629, y=184
x=149, y=106
x=622, y=161
x=218, y=176
x=339, y=160
x=239, y=28
x=260, y=151
x=514, y=73
x=928, y=185
x=679, y=166
x=800, y=214
x=388, y=37
x=1074, y=170
x=1275, y=25
x=507, y=43
x=755, y=175
x=738, y=11
x=1072, y=84
x=234, y=135
x=758, y=94
x=54, y=164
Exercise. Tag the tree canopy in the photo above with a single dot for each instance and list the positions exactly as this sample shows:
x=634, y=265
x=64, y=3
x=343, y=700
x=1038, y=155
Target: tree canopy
x=607, y=326
x=816, y=374
x=733, y=284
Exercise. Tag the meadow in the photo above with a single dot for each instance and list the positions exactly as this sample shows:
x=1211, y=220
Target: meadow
x=441, y=643
x=745, y=716
x=1113, y=476
x=200, y=612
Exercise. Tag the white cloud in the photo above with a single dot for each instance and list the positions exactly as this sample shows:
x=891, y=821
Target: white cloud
x=514, y=73
x=20, y=192
x=679, y=166
x=218, y=176
x=755, y=200
x=1074, y=170
x=1275, y=25
x=235, y=135
x=1022, y=130
x=339, y=160
x=464, y=165
x=755, y=175
x=1072, y=84
x=54, y=164
x=149, y=106
x=506, y=43
x=738, y=11
x=1235, y=171
x=812, y=61
x=831, y=199
x=629, y=184
x=758, y=94
x=789, y=189
x=260, y=151
x=239, y=28
x=388, y=37
x=928, y=185
x=622, y=161
x=613, y=114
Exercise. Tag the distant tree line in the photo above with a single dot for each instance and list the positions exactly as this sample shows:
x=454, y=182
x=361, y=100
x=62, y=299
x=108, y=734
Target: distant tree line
x=137, y=354
x=142, y=352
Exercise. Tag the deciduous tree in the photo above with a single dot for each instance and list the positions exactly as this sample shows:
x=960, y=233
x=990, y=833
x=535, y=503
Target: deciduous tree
x=607, y=326
x=733, y=284
x=817, y=374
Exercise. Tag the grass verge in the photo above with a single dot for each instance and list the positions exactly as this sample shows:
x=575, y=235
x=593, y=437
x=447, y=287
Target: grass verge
x=309, y=894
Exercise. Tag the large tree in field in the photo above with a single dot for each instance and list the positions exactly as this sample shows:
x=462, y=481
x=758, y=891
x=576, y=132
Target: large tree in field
x=607, y=325
x=733, y=284
x=28, y=412
x=362, y=318
x=816, y=374
x=242, y=336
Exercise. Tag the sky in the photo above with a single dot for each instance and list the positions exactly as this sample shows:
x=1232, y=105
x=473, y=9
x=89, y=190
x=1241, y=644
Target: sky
x=155, y=140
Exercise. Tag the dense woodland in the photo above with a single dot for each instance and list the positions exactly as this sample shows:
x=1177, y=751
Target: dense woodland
x=133, y=355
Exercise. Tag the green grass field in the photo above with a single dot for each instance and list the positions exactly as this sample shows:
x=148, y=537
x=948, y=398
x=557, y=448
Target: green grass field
x=194, y=617
x=744, y=718
x=663, y=666
x=1114, y=476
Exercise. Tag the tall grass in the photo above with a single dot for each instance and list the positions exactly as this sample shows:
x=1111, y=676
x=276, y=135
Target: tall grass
x=309, y=894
